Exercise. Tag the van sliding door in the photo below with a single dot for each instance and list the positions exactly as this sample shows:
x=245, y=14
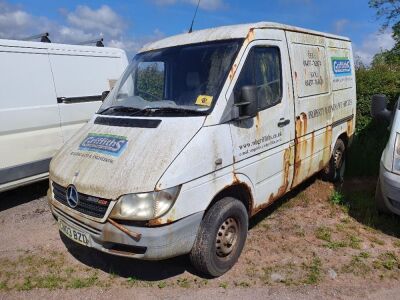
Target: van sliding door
x=79, y=80
x=313, y=103
x=30, y=131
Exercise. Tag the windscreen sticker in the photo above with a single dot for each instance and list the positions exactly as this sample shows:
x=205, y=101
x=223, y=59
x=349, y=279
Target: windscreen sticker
x=204, y=100
x=341, y=66
x=108, y=144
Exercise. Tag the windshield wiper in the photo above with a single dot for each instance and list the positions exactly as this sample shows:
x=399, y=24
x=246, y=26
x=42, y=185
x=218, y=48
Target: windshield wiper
x=132, y=111
x=169, y=109
x=120, y=109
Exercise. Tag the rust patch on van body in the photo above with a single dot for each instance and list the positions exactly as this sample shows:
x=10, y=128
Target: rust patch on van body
x=283, y=188
x=350, y=128
x=307, y=149
x=249, y=37
x=232, y=72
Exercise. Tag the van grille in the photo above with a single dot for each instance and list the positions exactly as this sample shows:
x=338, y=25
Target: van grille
x=88, y=205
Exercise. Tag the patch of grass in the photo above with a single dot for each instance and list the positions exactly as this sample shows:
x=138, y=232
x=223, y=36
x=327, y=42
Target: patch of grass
x=387, y=260
x=396, y=243
x=357, y=266
x=183, y=283
x=49, y=282
x=323, y=233
x=243, y=284
x=362, y=207
x=354, y=242
x=162, y=284
x=223, y=285
x=364, y=255
x=26, y=285
x=265, y=226
x=314, y=271
x=376, y=240
x=78, y=283
x=337, y=198
x=3, y=286
x=336, y=245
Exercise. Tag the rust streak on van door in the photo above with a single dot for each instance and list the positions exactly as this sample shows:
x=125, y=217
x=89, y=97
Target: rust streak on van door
x=300, y=146
x=350, y=128
x=327, y=148
x=283, y=188
x=310, y=171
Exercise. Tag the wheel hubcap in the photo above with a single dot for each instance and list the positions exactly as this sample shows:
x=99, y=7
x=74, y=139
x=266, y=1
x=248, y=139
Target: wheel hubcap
x=227, y=237
x=338, y=159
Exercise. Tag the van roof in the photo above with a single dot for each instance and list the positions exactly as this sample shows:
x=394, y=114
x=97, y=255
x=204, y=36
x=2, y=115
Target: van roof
x=228, y=32
x=81, y=49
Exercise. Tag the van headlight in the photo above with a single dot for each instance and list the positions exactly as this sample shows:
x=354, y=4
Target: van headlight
x=396, y=155
x=145, y=206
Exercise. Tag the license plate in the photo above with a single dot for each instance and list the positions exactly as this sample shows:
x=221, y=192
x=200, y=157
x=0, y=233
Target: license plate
x=73, y=233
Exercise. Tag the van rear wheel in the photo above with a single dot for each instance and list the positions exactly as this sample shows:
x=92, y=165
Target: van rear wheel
x=221, y=237
x=334, y=171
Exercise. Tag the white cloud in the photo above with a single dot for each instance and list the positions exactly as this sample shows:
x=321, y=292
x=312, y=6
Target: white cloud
x=103, y=20
x=79, y=25
x=373, y=44
x=204, y=4
x=340, y=25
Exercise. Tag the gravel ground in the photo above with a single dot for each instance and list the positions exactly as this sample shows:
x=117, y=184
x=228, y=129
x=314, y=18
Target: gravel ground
x=302, y=247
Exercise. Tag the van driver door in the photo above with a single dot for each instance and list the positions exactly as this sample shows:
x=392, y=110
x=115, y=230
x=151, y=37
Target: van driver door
x=263, y=146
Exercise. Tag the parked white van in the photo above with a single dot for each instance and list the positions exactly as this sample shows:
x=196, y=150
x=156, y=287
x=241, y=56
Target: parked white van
x=387, y=195
x=48, y=91
x=201, y=132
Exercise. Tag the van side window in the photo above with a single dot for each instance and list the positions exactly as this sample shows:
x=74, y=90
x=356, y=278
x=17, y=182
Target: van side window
x=263, y=69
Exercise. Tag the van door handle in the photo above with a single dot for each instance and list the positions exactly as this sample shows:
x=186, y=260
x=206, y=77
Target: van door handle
x=283, y=122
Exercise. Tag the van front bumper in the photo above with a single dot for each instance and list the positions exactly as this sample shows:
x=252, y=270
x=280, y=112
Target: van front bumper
x=156, y=243
x=390, y=188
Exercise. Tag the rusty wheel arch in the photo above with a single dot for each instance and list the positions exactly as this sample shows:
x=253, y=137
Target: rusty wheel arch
x=344, y=138
x=238, y=191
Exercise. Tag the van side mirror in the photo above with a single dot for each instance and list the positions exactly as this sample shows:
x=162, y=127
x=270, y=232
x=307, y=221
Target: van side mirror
x=247, y=102
x=379, y=109
x=104, y=95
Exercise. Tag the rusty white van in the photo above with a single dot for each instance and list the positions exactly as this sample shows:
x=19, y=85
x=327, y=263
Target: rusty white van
x=201, y=132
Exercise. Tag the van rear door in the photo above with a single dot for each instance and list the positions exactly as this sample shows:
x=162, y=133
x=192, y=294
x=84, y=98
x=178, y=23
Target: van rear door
x=262, y=146
x=80, y=77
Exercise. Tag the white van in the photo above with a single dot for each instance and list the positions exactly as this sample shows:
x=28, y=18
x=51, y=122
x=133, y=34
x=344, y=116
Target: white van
x=387, y=195
x=202, y=131
x=48, y=91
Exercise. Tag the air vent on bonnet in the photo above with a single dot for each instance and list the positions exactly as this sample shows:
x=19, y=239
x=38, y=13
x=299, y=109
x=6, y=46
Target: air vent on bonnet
x=122, y=122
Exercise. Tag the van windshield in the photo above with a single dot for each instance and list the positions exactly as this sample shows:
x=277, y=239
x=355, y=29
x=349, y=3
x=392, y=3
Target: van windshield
x=182, y=80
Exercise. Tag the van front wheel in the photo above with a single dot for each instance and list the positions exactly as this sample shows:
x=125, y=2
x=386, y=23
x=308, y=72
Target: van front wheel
x=221, y=237
x=334, y=171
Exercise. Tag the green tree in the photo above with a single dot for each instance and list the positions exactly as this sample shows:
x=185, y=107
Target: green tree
x=389, y=11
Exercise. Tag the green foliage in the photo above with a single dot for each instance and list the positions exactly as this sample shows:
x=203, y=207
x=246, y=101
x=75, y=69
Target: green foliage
x=150, y=82
x=337, y=198
x=389, y=10
x=314, y=271
x=371, y=136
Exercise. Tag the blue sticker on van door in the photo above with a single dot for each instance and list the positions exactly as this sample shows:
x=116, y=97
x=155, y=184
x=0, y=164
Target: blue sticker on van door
x=108, y=144
x=341, y=66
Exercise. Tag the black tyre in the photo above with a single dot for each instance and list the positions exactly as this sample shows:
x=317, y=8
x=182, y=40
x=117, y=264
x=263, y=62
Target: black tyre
x=221, y=237
x=379, y=201
x=334, y=171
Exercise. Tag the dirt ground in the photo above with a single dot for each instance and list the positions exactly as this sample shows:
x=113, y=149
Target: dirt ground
x=320, y=241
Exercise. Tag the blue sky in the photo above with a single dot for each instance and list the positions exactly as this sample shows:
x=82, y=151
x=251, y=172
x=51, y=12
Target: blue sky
x=130, y=24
